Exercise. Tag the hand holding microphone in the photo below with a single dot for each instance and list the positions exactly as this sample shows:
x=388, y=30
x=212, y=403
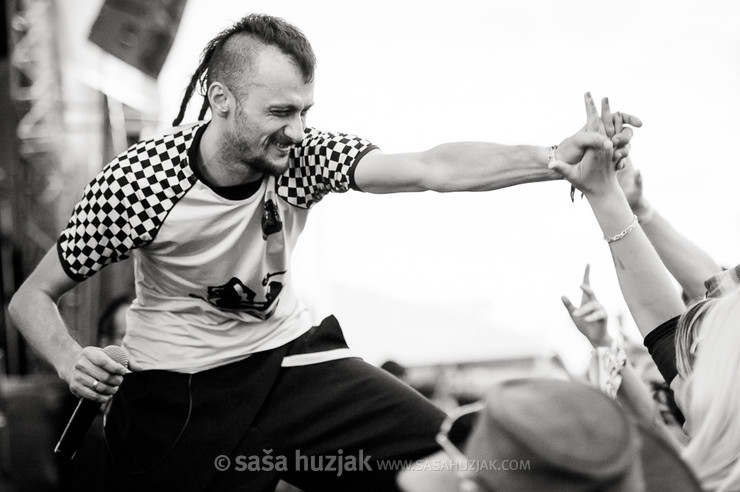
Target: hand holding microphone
x=98, y=373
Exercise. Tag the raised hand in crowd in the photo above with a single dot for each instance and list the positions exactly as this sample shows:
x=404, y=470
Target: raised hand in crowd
x=610, y=370
x=630, y=179
x=590, y=317
x=688, y=263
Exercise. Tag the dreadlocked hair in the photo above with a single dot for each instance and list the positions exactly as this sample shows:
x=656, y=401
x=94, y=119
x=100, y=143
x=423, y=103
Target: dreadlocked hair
x=223, y=62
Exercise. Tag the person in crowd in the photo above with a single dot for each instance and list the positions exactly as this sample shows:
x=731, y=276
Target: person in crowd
x=547, y=434
x=706, y=395
x=397, y=370
x=226, y=364
x=612, y=369
x=689, y=264
x=708, y=399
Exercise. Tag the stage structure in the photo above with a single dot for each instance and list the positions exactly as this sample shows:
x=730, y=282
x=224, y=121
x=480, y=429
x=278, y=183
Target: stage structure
x=60, y=141
x=77, y=72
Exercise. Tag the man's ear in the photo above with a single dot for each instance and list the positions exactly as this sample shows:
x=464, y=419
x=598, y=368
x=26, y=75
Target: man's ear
x=218, y=97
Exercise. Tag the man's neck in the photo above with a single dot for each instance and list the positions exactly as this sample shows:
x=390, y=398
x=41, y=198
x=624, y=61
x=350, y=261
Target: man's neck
x=215, y=169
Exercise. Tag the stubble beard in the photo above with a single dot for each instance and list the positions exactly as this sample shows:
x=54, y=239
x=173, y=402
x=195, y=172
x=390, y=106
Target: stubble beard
x=238, y=150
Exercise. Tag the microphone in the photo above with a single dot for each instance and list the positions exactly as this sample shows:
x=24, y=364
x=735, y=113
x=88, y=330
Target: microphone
x=84, y=414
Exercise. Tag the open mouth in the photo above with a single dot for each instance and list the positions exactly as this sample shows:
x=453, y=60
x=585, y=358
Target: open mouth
x=282, y=148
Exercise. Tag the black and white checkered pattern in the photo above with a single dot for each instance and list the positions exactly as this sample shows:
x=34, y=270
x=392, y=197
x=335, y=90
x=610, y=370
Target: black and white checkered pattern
x=320, y=165
x=124, y=206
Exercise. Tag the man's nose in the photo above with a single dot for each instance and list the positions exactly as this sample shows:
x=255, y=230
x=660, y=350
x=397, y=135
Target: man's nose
x=295, y=130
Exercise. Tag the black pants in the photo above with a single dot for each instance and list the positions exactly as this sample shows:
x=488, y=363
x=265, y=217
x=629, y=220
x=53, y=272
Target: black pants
x=327, y=426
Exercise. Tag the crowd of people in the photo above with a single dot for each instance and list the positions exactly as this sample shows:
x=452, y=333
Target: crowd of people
x=224, y=361
x=687, y=422
x=692, y=345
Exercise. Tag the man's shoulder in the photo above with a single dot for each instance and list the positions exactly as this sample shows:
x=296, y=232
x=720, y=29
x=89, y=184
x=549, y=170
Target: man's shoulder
x=169, y=146
x=159, y=161
x=187, y=129
x=316, y=136
x=163, y=144
x=331, y=145
x=323, y=162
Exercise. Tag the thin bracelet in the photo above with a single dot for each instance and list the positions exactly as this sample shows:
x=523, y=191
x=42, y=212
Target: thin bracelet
x=619, y=236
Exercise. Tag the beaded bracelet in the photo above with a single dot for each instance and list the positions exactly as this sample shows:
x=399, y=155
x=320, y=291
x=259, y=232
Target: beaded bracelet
x=619, y=236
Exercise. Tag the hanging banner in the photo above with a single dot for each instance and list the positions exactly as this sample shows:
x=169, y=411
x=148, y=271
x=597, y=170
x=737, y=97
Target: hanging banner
x=138, y=32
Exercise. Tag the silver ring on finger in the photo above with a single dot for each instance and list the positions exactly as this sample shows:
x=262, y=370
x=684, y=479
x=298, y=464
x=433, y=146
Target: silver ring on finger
x=95, y=385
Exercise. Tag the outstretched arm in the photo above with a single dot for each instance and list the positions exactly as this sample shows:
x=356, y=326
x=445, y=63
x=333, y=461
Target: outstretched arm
x=34, y=311
x=645, y=285
x=686, y=261
x=480, y=166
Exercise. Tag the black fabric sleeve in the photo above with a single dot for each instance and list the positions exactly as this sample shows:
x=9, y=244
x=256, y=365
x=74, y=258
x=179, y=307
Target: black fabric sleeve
x=662, y=347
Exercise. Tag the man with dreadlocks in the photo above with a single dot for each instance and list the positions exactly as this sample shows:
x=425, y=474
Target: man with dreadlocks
x=231, y=387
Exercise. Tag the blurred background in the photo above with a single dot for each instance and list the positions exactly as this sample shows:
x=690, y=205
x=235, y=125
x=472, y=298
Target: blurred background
x=458, y=288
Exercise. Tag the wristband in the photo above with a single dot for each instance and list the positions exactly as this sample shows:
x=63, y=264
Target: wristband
x=605, y=371
x=551, y=154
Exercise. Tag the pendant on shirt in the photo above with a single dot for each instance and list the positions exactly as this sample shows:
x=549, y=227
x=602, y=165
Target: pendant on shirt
x=271, y=222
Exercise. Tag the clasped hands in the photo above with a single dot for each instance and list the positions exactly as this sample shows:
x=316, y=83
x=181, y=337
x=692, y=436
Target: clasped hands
x=590, y=158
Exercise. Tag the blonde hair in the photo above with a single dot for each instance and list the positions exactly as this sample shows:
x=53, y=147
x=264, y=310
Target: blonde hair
x=713, y=401
x=688, y=334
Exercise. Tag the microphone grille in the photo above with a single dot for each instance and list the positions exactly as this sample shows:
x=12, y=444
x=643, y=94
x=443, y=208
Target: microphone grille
x=117, y=354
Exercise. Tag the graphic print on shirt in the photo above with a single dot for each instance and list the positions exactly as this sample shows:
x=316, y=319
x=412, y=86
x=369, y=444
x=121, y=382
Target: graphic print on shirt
x=237, y=296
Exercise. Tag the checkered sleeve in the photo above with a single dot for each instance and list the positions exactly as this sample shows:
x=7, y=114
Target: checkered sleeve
x=124, y=206
x=324, y=162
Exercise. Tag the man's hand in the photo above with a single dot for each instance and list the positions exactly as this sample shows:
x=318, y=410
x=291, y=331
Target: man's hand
x=590, y=317
x=94, y=375
x=594, y=174
x=592, y=136
x=572, y=149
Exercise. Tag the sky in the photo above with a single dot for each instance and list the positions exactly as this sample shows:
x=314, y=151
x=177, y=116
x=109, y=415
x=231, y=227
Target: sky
x=428, y=277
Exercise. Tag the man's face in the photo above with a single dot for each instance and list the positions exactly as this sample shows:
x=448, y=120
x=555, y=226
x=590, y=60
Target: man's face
x=270, y=114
